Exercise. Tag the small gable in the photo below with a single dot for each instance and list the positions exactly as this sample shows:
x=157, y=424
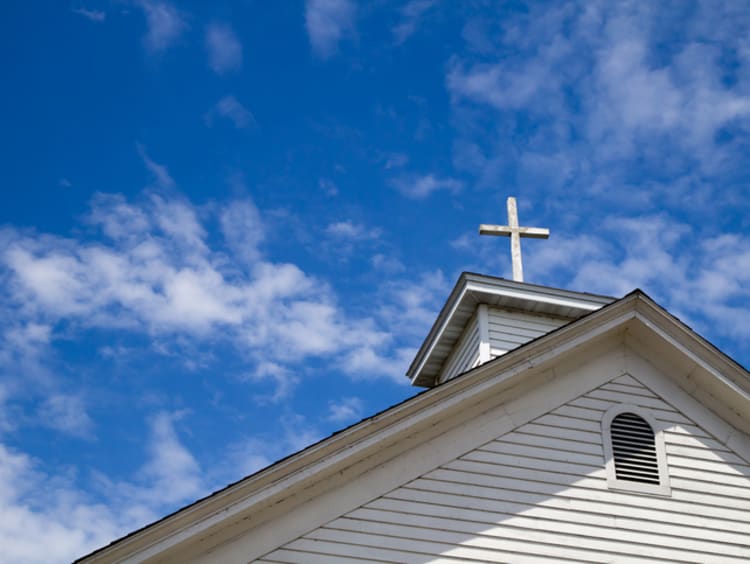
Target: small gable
x=542, y=492
x=486, y=317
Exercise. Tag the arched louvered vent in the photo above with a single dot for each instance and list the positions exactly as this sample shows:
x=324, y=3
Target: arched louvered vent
x=634, y=449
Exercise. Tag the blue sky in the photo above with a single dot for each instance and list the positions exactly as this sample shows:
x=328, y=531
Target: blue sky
x=226, y=227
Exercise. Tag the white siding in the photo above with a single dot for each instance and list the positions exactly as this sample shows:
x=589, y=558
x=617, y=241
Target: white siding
x=539, y=494
x=507, y=330
x=466, y=353
x=511, y=329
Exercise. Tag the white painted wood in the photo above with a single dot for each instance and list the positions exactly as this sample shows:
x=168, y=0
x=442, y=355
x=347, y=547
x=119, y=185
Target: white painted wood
x=492, y=332
x=472, y=289
x=515, y=232
x=467, y=353
x=574, y=510
x=508, y=330
x=541, y=492
x=484, y=333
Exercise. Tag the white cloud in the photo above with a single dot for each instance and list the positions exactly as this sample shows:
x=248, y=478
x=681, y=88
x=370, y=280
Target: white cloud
x=171, y=474
x=685, y=100
x=165, y=24
x=69, y=525
x=67, y=414
x=156, y=272
x=506, y=88
x=702, y=279
x=417, y=187
x=386, y=263
x=92, y=15
x=602, y=88
x=262, y=449
x=327, y=23
x=224, y=48
x=179, y=221
x=328, y=186
x=159, y=171
x=282, y=377
x=232, y=109
x=352, y=231
x=243, y=229
x=345, y=410
x=116, y=217
x=411, y=14
x=396, y=160
x=36, y=506
x=367, y=362
x=409, y=306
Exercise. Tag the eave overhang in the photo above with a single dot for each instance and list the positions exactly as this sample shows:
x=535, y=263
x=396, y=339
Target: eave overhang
x=473, y=289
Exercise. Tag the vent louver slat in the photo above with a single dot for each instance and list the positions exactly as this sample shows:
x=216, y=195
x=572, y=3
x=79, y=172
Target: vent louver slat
x=634, y=448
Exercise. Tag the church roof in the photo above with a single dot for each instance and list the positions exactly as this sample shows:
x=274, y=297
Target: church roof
x=473, y=289
x=720, y=383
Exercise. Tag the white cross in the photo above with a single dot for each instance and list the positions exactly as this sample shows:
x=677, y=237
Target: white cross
x=515, y=233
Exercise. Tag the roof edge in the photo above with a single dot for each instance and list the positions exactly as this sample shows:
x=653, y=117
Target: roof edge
x=308, y=465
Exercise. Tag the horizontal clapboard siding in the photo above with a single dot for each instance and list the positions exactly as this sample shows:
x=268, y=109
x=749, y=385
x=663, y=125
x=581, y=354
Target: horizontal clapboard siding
x=511, y=329
x=465, y=355
x=540, y=494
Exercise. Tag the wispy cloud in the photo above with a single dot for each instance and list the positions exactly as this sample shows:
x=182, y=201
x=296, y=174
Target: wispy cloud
x=283, y=379
x=396, y=160
x=165, y=25
x=171, y=473
x=232, y=109
x=262, y=448
x=352, y=231
x=702, y=279
x=327, y=23
x=345, y=410
x=243, y=229
x=417, y=187
x=387, y=263
x=412, y=303
x=411, y=15
x=603, y=94
x=159, y=171
x=34, y=505
x=157, y=272
x=224, y=48
x=92, y=15
x=67, y=414
x=328, y=186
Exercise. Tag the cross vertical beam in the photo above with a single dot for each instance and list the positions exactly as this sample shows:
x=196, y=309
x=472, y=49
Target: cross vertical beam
x=515, y=240
x=515, y=232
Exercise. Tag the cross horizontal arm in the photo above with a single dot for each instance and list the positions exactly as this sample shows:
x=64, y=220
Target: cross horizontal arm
x=486, y=229
x=534, y=232
x=504, y=230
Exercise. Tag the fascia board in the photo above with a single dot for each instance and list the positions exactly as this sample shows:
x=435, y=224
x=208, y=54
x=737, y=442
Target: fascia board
x=543, y=294
x=433, y=337
x=352, y=445
x=713, y=370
